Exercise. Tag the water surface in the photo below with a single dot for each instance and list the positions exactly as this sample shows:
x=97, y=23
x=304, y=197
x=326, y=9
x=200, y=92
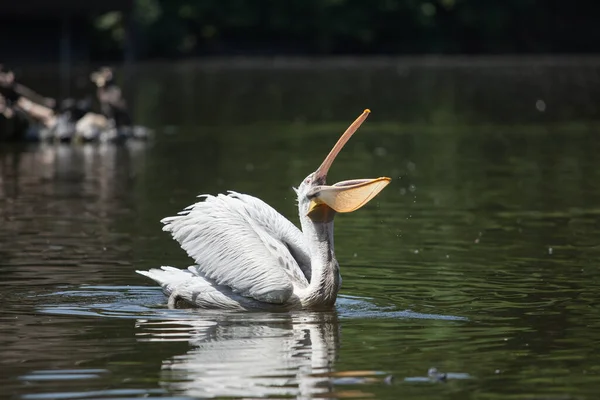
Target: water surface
x=480, y=259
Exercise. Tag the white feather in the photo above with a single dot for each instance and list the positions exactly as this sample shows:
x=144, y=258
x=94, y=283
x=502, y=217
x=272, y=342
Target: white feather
x=167, y=277
x=240, y=242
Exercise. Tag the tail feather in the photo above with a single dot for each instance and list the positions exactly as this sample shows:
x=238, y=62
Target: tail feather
x=192, y=288
x=167, y=277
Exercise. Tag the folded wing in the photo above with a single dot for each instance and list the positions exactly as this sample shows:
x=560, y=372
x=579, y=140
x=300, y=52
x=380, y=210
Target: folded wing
x=238, y=242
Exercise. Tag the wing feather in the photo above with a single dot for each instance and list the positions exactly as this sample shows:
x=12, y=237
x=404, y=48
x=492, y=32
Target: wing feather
x=233, y=244
x=278, y=227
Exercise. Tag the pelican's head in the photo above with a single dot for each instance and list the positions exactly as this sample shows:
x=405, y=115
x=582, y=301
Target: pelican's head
x=320, y=201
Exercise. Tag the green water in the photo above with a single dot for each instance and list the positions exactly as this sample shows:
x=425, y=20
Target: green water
x=479, y=259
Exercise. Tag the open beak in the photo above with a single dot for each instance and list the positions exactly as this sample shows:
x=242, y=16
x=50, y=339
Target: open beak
x=348, y=196
x=345, y=196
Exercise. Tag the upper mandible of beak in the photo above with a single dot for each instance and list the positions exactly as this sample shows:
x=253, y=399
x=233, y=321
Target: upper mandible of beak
x=321, y=173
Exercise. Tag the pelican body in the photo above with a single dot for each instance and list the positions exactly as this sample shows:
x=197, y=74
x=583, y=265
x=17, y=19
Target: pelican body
x=249, y=257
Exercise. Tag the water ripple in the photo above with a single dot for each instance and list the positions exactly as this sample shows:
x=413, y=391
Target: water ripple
x=150, y=303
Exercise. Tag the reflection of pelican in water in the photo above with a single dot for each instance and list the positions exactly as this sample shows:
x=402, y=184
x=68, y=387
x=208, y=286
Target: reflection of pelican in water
x=284, y=355
x=249, y=256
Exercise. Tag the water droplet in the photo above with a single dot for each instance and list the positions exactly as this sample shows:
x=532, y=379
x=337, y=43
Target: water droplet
x=380, y=152
x=540, y=105
x=416, y=251
x=447, y=255
x=412, y=188
x=402, y=191
x=355, y=255
x=411, y=166
x=550, y=250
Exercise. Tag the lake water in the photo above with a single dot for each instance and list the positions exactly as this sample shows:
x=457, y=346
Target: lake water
x=480, y=259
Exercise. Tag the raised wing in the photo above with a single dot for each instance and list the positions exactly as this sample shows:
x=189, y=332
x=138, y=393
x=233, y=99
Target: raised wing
x=232, y=240
x=279, y=228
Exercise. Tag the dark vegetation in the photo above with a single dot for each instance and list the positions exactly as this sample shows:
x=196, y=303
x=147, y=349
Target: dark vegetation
x=184, y=28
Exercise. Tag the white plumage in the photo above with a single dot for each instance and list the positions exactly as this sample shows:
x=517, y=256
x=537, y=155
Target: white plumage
x=248, y=256
x=235, y=245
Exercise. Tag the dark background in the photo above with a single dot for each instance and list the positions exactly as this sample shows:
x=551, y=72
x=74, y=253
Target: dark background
x=97, y=31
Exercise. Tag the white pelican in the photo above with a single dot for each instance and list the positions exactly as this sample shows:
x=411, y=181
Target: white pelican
x=249, y=257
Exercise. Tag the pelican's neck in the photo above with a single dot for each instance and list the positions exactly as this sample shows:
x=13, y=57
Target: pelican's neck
x=325, y=273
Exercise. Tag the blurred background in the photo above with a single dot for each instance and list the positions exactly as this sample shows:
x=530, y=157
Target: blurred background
x=172, y=58
x=480, y=258
x=101, y=31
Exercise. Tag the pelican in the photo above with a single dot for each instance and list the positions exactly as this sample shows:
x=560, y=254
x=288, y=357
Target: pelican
x=250, y=257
